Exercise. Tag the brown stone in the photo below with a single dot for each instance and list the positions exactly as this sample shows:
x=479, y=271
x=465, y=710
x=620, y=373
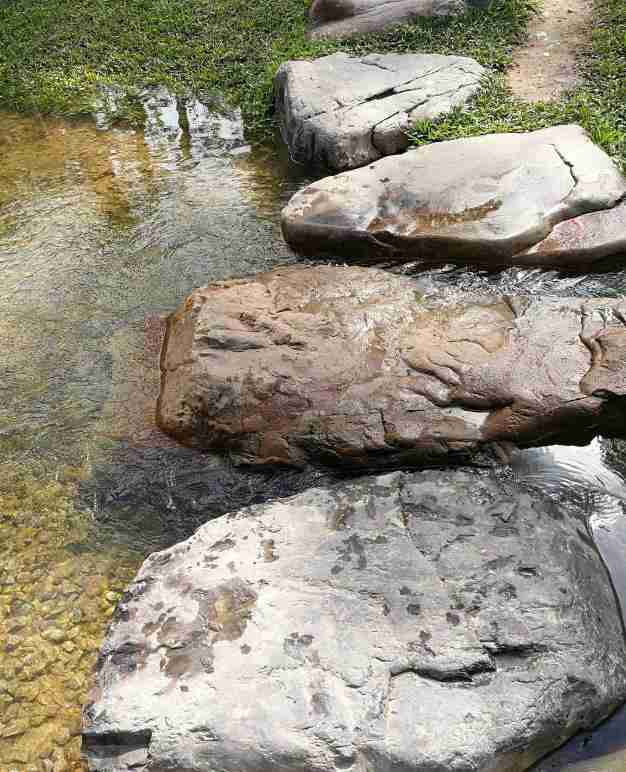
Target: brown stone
x=352, y=366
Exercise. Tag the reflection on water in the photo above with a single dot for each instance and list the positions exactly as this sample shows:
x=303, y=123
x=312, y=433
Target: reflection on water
x=103, y=231
x=599, y=751
x=594, y=476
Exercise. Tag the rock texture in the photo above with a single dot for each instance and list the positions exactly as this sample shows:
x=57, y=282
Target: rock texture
x=342, y=18
x=342, y=111
x=485, y=200
x=434, y=622
x=588, y=241
x=352, y=366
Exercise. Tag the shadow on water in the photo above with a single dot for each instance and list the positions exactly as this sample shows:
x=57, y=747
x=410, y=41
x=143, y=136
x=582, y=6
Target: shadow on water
x=103, y=231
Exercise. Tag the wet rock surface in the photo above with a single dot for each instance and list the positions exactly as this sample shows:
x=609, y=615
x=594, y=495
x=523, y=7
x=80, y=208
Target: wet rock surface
x=483, y=201
x=354, y=367
x=443, y=620
x=587, y=240
x=342, y=18
x=341, y=111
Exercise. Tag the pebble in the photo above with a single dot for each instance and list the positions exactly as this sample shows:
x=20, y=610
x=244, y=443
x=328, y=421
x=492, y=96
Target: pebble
x=51, y=621
x=64, y=736
x=54, y=634
x=14, y=729
x=12, y=642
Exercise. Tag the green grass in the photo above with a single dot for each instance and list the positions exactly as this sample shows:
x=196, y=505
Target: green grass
x=599, y=104
x=55, y=53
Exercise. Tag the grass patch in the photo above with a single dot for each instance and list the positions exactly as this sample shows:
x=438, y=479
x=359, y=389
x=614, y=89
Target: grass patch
x=599, y=104
x=55, y=54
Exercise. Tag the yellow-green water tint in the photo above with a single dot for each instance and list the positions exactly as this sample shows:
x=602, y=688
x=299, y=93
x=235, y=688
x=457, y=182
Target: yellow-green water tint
x=102, y=233
x=57, y=591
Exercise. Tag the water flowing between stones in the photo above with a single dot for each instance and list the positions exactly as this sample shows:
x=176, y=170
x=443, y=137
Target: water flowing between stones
x=103, y=231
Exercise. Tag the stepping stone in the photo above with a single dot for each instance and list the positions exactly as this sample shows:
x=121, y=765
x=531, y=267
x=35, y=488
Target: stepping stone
x=438, y=621
x=342, y=111
x=484, y=201
x=353, y=367
x=342, y=18
x=587, y=240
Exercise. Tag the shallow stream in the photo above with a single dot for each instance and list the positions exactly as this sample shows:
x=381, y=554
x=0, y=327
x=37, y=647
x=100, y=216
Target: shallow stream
x=103, y=231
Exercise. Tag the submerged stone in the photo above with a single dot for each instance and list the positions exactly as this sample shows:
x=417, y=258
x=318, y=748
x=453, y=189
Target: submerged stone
x=443, y=620
x=342, y=111
x=342, y=18
x=484, y=200
x=353, y=367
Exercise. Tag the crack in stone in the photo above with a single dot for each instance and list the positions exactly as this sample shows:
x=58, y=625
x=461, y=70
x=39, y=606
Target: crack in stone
x=412, y=109
x=388, y=91
x=434, y=672
x=370, y=63
x=569, y=165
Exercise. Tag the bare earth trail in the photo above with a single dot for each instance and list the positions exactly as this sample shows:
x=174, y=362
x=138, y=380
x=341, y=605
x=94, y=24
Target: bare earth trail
x=546, y=66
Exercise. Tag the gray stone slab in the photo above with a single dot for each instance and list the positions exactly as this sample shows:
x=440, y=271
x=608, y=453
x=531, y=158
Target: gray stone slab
x=342, y=112
x=484, y=200
x=434, y=622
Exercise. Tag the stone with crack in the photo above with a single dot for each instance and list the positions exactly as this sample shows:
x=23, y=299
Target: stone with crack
x=341, y=111
x=485, y=200
x=353, y=367
x=342, y=18
x=425, y=622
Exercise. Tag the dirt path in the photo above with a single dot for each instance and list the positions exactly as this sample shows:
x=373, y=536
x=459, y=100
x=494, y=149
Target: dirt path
x=546, y=65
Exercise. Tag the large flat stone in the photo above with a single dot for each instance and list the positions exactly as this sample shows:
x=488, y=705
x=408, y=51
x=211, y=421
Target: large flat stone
x=352, y=366
x=342, y=111
x=342, y=18
x=433, y=622
x=484, y=200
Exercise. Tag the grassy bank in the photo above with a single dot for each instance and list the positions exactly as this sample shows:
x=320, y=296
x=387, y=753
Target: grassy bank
x=599, y=104
x=53, y=56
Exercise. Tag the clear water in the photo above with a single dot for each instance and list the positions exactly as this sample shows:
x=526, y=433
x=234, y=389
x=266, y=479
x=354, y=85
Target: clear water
x=102, y=234
x=103, y=231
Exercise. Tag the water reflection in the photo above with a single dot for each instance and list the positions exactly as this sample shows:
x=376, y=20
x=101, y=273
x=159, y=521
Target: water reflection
x=594, y=475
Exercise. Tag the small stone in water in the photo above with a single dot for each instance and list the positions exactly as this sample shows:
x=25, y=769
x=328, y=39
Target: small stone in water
x=12, y=643
x=64, y=736
x=54, y=634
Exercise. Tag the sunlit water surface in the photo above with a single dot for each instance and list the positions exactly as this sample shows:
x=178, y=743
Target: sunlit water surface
x=103, y=231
